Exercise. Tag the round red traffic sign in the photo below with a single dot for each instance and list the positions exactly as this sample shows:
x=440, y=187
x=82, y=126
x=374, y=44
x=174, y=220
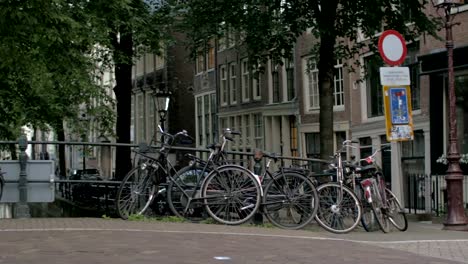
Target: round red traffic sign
x=392, y=47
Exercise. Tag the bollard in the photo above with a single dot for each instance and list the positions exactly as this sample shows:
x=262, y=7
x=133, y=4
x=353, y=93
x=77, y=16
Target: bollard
x=22, y=208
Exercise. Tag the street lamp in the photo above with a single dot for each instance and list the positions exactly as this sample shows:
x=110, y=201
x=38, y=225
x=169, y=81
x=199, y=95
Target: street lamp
x=162, y=101
x=456, y=218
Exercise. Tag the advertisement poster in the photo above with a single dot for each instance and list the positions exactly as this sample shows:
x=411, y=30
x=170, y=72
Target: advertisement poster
x=398, y=116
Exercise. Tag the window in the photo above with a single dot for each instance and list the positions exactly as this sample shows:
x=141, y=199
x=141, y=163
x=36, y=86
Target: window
x=312, y=85
x=247, y=130
x=223, y=123
x=232, y=83
x=290, y=79
x=160, y=62
x=150, y=121
x=258, y=130
x=365, y=147
x=293, y=133
x=206, y=122
x=223, y=85
x=206, y=104
x=239, y=128
x=256, y=84
x=374, y=89
x=211, y=56
x=312, y=141
x=140, y=118
x=200, y=62
x=340, y=136
x=214, y=119
x=232, y=126
x=200, y=119
x=245, y=83
x=338, y=84
x=276, y=85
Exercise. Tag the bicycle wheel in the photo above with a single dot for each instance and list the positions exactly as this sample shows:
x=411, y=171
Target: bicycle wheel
x=379, y=212
x=368, y=218
x=135, y=193
x=231, y=194
x=290, y=200
x=180, y=192
x=337, y=217
x=395, y=213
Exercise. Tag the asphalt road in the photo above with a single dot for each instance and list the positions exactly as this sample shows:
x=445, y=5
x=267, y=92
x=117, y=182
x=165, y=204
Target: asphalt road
x=88, y=245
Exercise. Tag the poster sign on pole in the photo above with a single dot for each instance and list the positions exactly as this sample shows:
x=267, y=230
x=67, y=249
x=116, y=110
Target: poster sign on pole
x=398, y=115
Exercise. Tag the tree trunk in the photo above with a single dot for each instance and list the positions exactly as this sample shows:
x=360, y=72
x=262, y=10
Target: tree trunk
x=326, y=68
x=123, y=91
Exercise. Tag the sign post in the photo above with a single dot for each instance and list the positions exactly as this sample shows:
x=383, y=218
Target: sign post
x=396, y=89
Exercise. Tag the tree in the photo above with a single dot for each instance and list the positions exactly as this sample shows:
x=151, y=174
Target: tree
x=126, y=29
x=46, y=71
x=270, y=28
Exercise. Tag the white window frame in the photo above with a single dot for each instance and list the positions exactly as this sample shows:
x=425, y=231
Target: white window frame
x=245, y=80
x=204, y=129
x=257, y=83
x=223, y=85
x=232, y=83
x=258, y=130
x=338, y=91
x=311, y=91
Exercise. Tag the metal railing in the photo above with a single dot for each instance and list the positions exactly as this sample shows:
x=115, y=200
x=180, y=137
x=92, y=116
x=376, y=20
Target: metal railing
x=421, y=188
x=98, y=192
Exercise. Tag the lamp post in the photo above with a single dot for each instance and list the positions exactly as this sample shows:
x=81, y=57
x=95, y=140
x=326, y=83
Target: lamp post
x=162, y=100
x=456, y=218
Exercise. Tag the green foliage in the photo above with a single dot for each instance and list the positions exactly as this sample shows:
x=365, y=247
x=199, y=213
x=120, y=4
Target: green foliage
x=46, y=71
x=166, y=219
x=341, y=29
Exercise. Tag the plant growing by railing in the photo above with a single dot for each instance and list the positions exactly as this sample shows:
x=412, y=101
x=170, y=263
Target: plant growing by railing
x=443, y=159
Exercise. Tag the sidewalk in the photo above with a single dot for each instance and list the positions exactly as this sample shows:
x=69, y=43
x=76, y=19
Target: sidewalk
x=96, y=240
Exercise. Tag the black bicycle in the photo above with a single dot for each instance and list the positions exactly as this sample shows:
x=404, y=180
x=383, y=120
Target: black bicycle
x=290, y=199
x=141, y=185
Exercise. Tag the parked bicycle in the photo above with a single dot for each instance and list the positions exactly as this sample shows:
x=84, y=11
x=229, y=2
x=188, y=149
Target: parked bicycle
x=380, y=204
x=230, y=193
x=290, y=199
x=339, y=208
x=140, y=186
x=184, y=188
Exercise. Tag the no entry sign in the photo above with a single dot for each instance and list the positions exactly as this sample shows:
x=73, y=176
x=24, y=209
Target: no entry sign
x=392, y=47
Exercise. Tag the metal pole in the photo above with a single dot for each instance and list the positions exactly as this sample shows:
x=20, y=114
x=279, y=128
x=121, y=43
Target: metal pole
x=22, y=208
x=456, y=218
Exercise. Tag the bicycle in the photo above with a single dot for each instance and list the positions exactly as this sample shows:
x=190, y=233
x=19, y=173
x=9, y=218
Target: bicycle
x=383, y=204
x=138, y=188
x=290, y=199
x=339, y=208
x=184, y=188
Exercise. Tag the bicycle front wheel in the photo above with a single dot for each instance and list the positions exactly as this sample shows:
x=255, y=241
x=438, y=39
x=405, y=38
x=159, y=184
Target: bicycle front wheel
x=135, y=193
x=395, y=213
x=379, y=212
x=290, y=200
x=183, y=194
x=335, y=215
x=231, y=194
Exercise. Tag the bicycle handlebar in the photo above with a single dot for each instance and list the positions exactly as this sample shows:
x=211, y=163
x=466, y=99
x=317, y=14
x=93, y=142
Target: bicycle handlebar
x=370, y=159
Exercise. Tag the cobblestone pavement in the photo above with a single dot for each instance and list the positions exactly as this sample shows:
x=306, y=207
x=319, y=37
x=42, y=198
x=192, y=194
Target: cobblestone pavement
x=93, y=240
